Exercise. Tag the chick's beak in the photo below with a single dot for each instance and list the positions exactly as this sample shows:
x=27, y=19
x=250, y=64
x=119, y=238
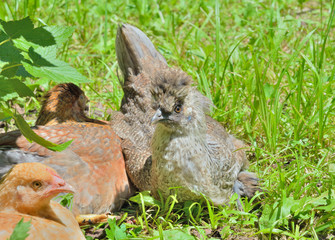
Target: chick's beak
x=57, y=186
x=157, y=117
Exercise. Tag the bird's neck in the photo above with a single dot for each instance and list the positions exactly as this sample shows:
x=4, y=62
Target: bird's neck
x=48, y=213
x=13, y=202
x=52, y=118
x=192, y=125
x=194, y=130
x=44, y=211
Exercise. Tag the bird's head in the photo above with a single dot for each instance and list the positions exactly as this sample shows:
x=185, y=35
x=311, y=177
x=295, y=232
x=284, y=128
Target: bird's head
x=65, y=101
x=66, y=94
x=28, y=187
x=170, y=89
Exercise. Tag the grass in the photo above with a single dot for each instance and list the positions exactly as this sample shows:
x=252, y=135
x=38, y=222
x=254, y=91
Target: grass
x=268, y=66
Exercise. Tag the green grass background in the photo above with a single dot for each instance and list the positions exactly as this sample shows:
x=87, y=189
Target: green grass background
x=268, y=66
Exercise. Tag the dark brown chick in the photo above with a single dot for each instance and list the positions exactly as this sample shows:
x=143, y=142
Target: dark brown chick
x=65, y=102
x=26, y=192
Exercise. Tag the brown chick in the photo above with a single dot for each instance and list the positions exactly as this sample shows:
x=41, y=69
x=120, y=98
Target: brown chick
x=206, y=160
x=65, y=102
x=26, y=192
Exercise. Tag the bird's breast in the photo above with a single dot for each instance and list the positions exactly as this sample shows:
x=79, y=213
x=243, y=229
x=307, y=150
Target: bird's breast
x=178, y=161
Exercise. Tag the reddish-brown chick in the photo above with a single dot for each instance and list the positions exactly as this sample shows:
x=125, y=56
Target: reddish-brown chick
x=65, y=102
x=25, y=192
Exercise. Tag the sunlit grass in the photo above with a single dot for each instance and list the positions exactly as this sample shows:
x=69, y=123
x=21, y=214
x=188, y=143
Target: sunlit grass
x=268, y=66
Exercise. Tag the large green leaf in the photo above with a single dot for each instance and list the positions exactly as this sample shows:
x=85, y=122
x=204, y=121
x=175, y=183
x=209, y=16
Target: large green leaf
x=45, y=65
x=13, y=69
x=10, y=86
x=10, y=70
x=62, y=72
x=25, y=28
x=15, y=29
x=60, y=33
x=40, y=36
x=8, y=52
x=41, y=60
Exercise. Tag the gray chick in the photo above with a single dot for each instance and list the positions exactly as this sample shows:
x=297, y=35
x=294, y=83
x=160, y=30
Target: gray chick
x=191, y=150
x=188, y=148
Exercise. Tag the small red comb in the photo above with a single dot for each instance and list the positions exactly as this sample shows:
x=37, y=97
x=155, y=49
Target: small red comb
x=52, y=172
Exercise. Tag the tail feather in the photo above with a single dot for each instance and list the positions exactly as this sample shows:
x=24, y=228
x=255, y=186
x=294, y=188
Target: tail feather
x=138, y=60
x=246, y=185
x=135, y=52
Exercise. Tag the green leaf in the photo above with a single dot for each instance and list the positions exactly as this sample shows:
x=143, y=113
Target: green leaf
x=288, y=205
x=10, y=70
x=40, y=61
x=176, y=234
x=20, y=41
x=47, y=66
x=4, y=116
x=40, y=36
x=115, y=232
x=8, y=52
x=60, y=33
x=15, y=29
x=61, y=73
x=21, y=230
x=65, y=200
x=9, y=86
x=25, y=28
x=147, y=198
x=32, y=136
x=23, y=44
x=329, y=207
x=269, y=216
x=120, y=232
x=21, y=72
x=111, y=232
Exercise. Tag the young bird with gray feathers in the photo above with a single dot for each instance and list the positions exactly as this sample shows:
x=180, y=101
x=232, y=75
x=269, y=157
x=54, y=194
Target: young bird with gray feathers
x=189, y=149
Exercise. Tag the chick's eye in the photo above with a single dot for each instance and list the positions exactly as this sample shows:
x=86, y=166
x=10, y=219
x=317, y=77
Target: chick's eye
x=81, y=97
x=177, y=108
x=36, y=184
